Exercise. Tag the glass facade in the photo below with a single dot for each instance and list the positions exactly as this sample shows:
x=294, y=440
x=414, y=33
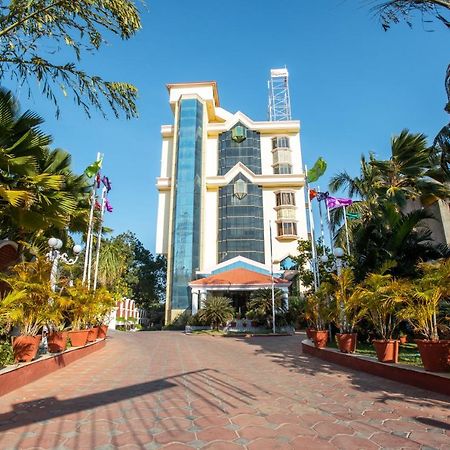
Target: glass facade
x=241, y=224
x=186, y=222
x=247, y=152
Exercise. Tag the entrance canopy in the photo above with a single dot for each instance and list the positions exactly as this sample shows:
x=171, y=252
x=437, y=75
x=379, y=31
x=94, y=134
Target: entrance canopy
x=234, y=280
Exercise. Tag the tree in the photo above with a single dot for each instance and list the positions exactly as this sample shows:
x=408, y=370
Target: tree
x=393, y=11
x=39, y=193
x=31, y=31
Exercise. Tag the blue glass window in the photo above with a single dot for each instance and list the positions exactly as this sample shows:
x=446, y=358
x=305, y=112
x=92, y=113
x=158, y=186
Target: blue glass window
x=188, y=182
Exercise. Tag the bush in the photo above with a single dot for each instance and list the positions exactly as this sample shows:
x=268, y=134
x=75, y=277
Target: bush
x=6, y=354
x=179, y=323
x=197, y=321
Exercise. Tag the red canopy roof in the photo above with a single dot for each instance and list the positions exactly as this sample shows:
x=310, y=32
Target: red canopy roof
x=239, y=277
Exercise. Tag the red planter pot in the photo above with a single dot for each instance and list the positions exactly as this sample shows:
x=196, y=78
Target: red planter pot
x=57, y=341
x=92, y=335
x=102, y=330
x=25, y=347
x=309, y=333
x=403, y=339
x=435, y=355
x=347, y=342
x=320, y=338
x=78, y=338
x=387, y=351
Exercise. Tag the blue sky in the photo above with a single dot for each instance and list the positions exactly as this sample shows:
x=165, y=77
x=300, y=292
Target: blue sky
x=352, y=85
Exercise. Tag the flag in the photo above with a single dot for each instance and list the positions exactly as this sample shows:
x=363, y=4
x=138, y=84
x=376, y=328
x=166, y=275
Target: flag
x=312, y=194
x=108, y=206
x=334, y=202
x=353, y=216
x=94, y=168
x=322, y=196
x=106, y=183
x=317, y=170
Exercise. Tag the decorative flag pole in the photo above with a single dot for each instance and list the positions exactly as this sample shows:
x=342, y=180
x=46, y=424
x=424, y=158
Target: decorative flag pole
x=312, y=233
x=271, y=274
x=321, y=197
x=99, y=238
x=346, y=230
x=90, y=172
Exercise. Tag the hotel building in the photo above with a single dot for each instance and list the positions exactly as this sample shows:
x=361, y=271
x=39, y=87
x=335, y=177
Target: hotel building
x=231, y=194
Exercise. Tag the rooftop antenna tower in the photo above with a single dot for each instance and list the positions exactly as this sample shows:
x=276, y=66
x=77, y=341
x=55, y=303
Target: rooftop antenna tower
x=279, y=100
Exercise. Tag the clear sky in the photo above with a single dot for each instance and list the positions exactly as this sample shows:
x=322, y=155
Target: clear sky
x=352, y=85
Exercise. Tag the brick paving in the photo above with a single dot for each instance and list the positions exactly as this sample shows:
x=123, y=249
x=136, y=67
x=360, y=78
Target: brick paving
x=154, y=390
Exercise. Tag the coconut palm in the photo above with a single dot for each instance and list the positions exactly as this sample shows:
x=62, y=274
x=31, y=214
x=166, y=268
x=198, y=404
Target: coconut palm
x=38, y=190
x=216, y=311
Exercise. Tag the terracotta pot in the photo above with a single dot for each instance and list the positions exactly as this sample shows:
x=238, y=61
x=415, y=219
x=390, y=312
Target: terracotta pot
x=387, y=350
x=57, y=341
x=435, y=355
x=25, y=347
x=92, y=335
x=403, y=339
x=309, y=333
x=78, y=338
x=320, y=338
x=102, y=330
x=347, y=342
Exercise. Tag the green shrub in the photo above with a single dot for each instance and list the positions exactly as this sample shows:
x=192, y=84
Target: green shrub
x=6, y=354
x=197, y=320
x=179, y=323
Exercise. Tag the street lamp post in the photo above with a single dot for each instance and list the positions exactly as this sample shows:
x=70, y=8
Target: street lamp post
x=54, y=256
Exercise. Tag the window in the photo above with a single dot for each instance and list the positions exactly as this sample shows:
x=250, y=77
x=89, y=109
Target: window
x=282, y=169
x=287, y=229
x=281, y=156
x=281, y=141
x=285, y=198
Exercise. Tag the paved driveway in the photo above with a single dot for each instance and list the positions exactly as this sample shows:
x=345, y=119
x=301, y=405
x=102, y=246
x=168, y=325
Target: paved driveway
x=166, y=390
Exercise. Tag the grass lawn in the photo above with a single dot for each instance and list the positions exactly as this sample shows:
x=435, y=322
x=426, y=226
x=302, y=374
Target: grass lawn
x=408, y=354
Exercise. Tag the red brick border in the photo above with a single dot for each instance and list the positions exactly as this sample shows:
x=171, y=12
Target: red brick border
x=439, y=383
x=14, y=377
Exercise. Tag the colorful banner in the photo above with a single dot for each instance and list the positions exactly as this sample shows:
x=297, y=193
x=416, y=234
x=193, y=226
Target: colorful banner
x=335, y=202
x=312, y=194
x=94, y=168
x=353, y=216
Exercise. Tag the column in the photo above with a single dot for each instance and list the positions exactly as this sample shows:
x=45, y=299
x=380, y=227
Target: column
x=194, y=302
x=285, y=297
x=203, y=293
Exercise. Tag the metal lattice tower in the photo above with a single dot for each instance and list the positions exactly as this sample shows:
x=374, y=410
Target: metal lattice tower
x=279, y=100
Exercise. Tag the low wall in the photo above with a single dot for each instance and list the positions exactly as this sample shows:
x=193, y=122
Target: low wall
x=16, y=376
x=402, y=373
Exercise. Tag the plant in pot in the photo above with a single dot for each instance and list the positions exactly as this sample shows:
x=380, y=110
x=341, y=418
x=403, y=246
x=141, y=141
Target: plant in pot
x=422, y=312
x=381, y=298
x=317, y=313
x=79, y=311
x=57, y=320
x=104, y=303
x=345, y=308
x=26, y=305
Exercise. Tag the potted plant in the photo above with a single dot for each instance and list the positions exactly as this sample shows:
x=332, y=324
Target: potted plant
x=317, y=312
x=105, y=303
x=402, y=338
x=381, y=297
x=26, y=305
x=422, y=312
x=79, y=312
x=345, y=310
x=216, y=311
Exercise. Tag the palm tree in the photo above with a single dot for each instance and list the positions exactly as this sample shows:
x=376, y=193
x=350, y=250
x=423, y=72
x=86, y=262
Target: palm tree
x=39, y=193
x=216, y=311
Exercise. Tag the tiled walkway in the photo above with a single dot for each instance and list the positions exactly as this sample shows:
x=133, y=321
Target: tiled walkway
x=167, y=390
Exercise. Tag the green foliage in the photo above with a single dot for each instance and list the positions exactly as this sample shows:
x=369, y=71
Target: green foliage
x=27, y=304
x=261, y=303
x=6, y=354
x=427, y=292
x=40, y=195
x=216, y=311
x=317, y=307
x=197, y=320
x=179, y=323
x=384, y=230
x=30, y=29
